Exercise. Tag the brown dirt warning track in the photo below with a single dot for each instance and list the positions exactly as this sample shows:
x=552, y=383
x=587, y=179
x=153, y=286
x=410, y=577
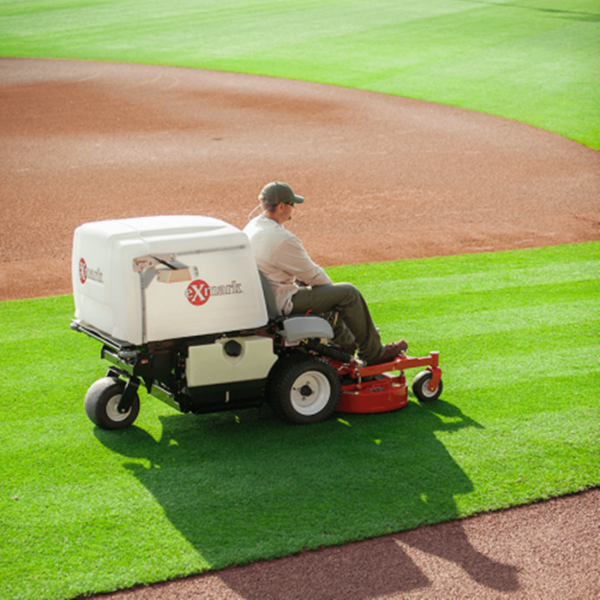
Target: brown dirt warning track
x=384, y=178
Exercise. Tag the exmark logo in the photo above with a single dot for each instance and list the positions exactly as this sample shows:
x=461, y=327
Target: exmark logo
x=199, y=292
x=91, y=274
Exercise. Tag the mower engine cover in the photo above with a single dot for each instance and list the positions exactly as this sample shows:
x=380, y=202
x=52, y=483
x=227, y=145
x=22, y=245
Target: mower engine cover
x=157, y=278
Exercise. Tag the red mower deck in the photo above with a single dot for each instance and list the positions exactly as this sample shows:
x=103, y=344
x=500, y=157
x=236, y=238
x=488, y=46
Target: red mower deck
x=377, y=390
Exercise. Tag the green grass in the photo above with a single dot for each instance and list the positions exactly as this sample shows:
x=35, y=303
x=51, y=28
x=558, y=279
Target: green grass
x=535, y=61
x=85, y=510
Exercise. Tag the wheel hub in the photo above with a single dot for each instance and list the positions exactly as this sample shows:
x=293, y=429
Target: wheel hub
x=306, y=390
x=112, y=409
x=310, y=392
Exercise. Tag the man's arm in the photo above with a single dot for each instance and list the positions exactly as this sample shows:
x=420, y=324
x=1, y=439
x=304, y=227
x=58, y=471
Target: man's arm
x=293, y=258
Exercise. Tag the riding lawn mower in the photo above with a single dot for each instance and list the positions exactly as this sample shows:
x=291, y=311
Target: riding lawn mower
x=180, y=307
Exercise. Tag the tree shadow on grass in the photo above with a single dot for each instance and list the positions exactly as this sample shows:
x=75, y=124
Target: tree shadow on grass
x=247, y=487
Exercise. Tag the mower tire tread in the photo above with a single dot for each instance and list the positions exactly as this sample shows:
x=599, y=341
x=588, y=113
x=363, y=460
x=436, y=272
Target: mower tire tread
x=421, y=390
x=303, y=388
x=101, y=403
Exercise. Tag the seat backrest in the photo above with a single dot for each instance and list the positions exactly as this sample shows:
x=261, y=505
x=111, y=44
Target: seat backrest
x=269, y=296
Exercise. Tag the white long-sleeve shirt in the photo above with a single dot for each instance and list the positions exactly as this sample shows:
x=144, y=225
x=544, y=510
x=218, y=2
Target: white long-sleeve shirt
x=283, y=260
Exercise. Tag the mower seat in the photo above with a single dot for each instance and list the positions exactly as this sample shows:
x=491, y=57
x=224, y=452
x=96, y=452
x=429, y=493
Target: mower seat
x=296, y=327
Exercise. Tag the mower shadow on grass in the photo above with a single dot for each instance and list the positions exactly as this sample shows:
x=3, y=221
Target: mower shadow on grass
x=245, y=487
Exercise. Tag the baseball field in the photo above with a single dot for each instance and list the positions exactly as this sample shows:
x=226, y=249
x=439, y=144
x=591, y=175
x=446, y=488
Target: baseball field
x=448, y=153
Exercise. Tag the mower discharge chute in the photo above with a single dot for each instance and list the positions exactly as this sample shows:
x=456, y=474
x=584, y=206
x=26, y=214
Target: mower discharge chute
x=179, y=306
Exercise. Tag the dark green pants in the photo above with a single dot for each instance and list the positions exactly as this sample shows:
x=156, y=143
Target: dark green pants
x=354, y=323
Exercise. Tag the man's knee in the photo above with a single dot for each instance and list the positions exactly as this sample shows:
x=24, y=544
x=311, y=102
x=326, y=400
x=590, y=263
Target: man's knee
x=349, y=292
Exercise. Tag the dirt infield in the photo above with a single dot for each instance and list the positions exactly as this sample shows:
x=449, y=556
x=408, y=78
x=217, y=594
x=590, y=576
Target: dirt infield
x=384, y=178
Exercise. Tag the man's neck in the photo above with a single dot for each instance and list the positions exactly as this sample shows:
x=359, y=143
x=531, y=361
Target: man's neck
x=273, y=217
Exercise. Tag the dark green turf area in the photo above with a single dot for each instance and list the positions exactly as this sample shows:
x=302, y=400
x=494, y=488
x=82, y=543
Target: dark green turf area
x=536, y=61
x=85, y=510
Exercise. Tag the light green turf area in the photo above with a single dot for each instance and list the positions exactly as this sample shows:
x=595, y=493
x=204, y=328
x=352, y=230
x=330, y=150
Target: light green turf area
x=85, y=510
x=535, y=61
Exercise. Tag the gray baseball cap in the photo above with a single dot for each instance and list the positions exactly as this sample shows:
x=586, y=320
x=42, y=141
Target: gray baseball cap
x=276, y=192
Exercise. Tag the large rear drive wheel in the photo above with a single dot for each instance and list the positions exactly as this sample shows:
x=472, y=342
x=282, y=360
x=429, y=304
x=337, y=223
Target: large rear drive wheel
x=304, y=389
x=420, y=387
x=102, y=401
